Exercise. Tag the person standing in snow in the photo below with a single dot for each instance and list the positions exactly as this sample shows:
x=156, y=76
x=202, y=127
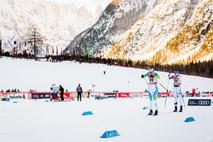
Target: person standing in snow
x=152, y=90
x=52, y=94
x=0, y=47
x=89, y=93
x=177, y=91
x=61, y=89
x=79, y=92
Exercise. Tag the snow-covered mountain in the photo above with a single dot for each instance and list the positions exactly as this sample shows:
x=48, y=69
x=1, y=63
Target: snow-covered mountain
x=156, y=31
x=58, y=22
x=117, y=18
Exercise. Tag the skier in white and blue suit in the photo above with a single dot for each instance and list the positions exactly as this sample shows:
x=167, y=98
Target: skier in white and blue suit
x=152, y=90
x=177, y=91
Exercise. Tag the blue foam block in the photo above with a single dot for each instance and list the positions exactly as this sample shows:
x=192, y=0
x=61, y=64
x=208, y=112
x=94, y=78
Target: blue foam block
x=189, y=119
x=110, y=134
x=87, y=113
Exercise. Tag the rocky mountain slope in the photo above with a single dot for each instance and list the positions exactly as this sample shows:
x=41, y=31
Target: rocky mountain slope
x=156, y=31
x=117, y=18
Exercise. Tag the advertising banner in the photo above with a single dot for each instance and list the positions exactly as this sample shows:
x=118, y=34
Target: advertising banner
x=123, y=95
x=199, y=102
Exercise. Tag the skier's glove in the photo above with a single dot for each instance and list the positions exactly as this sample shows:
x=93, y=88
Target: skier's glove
x=142, y=76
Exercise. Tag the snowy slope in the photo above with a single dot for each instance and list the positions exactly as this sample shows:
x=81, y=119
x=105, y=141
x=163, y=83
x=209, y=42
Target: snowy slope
x=53, y=122
x=29, y=74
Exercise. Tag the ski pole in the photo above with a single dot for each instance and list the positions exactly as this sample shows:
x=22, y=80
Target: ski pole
x=162, y=85
x=168, y=81
x=146, y=81
x=167, y=90
x=165, y=101
x=182, y=98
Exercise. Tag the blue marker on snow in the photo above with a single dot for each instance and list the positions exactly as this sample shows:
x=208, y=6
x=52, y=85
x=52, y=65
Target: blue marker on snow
x=110, y=134
x=87, y=113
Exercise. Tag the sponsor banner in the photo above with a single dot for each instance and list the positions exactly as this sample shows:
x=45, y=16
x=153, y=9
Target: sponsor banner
x=136, y=94
x=40, y=95
x=5, y=99
x=123, y=95
x=67, y=96
x=17, y=97
x=163, y=94
x=111, y=95
x=199, y=102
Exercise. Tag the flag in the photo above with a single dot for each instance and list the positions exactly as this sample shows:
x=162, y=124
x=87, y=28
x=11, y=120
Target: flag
x=0, y=43
x=57, y=50
x=14, y=44
x=0, y=47
x=52, y=50
x=47, y=50
x=20, y=46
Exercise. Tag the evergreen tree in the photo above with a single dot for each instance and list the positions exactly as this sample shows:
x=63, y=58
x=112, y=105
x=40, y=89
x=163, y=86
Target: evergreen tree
x=36, y=39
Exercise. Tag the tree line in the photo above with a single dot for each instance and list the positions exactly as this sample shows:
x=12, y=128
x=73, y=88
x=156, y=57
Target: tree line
x=204, y=69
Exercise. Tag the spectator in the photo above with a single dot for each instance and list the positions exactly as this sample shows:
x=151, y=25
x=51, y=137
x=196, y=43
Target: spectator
x=79, y=92
x=61, y=89
x=89, y=93
x=53, y=94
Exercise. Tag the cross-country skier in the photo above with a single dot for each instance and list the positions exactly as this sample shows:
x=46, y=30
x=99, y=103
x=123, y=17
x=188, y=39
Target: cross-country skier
x=152, y=90
x=177, y=91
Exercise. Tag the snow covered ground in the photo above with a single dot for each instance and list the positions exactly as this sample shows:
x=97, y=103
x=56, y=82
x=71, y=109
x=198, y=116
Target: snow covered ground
x=44, y=121
x=29, y=74
x=40, y=121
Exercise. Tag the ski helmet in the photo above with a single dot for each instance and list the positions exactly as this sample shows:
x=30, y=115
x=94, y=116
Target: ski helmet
x=151, y=70
x=176, y=72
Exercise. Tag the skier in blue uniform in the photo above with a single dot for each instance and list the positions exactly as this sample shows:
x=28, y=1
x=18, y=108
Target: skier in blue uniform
x=152, y=90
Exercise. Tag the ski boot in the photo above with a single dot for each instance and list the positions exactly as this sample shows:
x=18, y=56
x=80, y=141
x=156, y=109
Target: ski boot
x=181, y=109
x=175, y=109
x=156, y=113
x=150, y=112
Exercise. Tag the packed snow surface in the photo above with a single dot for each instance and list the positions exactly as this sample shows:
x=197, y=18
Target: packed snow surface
x=41, y=121
x=45, y=121
x=29, y=74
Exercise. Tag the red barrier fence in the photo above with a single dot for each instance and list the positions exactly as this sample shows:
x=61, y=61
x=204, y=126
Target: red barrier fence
x=85, y=94
x=71, y=95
